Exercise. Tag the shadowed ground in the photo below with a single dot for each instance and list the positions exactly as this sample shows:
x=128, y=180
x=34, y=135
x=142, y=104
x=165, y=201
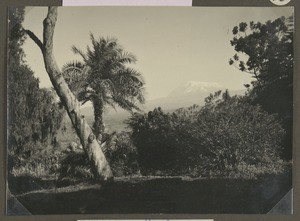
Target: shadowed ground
x=161, y=195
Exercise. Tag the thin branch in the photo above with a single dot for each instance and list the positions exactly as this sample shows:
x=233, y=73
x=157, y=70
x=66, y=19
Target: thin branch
x=35, y=39
x=257, y=77
x=249, y=72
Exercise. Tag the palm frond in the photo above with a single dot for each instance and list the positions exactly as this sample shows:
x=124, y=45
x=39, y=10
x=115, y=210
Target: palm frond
x=131, y=84
x=126, y=57
x=125, y=104
x=73, y=65
x=83, y=96
x=79, y=51
x=92, y=38
x=85, y=70
x=75, y=75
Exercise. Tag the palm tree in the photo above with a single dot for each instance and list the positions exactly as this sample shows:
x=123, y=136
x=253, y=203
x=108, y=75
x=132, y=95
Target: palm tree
x=105, y=79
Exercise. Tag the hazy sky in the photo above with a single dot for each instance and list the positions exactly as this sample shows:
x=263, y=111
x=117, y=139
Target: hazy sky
x=173, y=45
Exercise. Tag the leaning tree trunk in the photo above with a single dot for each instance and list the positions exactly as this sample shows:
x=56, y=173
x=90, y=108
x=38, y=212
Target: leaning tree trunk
x=90, y=145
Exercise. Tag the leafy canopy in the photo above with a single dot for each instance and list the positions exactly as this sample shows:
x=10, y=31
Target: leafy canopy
x=265, y=51
x=268, y=50
x=104, y=75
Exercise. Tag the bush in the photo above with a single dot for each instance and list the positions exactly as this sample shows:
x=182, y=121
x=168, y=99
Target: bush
x=37, y=161
x=238, y=137
x=227, y=137
x=122, y=155
x=75, y=165
x=160, y=138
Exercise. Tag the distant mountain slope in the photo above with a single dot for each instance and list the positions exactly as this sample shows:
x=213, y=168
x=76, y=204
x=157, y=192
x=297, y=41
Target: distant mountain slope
x=190, y=93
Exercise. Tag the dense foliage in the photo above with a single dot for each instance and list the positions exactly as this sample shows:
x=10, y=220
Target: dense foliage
x=227, y=137
x=266, y=52
x=33, y=114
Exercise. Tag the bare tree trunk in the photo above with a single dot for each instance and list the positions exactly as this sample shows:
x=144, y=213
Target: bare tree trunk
x=90, y=145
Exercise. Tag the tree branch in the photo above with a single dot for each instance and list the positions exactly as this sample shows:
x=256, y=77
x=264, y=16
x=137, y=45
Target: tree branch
x=35, y=39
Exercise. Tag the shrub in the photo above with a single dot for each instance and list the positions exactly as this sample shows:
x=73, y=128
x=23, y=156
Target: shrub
x=238, y=136
x=227, y=137
x=75, y=165
x=160, y=138
x=122, y=155
x=37, y=161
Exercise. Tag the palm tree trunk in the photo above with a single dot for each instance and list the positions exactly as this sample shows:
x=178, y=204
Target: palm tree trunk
x=91, y=147
x=98, y=116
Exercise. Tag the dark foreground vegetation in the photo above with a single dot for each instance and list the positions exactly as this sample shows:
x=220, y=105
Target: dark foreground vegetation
x=233, y=155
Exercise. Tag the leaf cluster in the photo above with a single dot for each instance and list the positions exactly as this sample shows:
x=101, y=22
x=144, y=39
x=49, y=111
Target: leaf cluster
x=264, y=50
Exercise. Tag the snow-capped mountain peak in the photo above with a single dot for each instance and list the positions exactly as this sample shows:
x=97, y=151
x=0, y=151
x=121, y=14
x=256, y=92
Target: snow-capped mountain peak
x=197, y=86
x=192, y=88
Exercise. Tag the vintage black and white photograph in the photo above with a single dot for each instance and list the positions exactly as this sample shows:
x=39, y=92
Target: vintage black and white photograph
x=150, y=110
